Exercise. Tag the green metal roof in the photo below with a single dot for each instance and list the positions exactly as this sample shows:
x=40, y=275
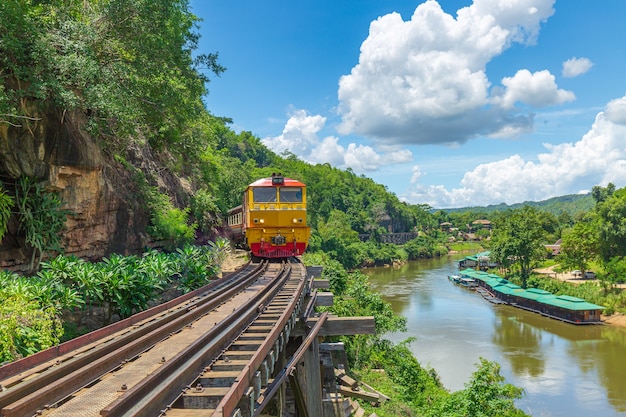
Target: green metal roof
x=492, y=282
x=536, y=294
x=571, y=303
x=508, y=289
x=503, y=286
x=477, y=256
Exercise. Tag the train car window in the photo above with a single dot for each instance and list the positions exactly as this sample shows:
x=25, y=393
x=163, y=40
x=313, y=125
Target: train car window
x=291, y=195
x=264, y=195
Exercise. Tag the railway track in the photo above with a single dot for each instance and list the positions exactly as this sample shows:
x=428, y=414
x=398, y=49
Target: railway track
x=209, y=354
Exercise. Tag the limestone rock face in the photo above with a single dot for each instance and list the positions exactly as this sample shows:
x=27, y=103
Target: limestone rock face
x=56, y=149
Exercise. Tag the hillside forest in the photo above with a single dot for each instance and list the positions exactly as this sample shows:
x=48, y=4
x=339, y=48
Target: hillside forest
x=115, y=179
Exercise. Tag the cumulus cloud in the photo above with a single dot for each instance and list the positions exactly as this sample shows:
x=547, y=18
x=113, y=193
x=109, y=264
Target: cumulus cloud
x=424, y=80
x=574, y=67
x=537, y=89
x=616, y=111
x=300, y=136
x=598, y=158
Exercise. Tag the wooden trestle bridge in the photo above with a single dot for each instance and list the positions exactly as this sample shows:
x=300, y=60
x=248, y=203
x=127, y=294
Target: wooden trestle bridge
x=244, y=345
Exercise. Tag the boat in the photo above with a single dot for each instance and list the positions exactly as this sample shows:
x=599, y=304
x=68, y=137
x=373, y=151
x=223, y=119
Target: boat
x=454, y=278
x=463, y=281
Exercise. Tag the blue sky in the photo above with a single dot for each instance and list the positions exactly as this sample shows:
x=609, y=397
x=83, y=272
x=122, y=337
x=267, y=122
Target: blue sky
x=448, y=103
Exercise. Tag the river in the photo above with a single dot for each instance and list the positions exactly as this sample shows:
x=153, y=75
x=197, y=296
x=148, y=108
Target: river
x=564, y=369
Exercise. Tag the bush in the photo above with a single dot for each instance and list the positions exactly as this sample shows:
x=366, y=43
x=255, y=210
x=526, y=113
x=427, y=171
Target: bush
x=172, y=224
x=27, y=323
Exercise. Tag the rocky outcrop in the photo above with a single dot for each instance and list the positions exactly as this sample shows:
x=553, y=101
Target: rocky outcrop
x=107, y=216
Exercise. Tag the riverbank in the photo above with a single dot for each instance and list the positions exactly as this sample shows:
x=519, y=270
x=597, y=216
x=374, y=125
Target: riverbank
x=617, y=319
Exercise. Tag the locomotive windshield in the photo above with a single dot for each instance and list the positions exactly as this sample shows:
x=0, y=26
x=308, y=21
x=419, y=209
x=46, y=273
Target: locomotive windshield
x=291, y=195
x=264, y=195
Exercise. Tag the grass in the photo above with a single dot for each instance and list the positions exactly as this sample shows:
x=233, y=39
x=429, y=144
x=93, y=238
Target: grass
x=379, y=380
x=466, y=246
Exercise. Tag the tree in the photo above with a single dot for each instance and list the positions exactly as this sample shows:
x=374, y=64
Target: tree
x=579, y=246
x=611, y=223
x=338, y=239
x=600, y=194
x=614, y=272
x=486, y=394
x=517, y=240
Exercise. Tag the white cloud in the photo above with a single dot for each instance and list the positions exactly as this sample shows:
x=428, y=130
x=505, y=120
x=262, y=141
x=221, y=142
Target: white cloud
x=574, y=67
x=416, y=174
x=616, y=111
x=424, y=80
x=300, y=136
x=537, y=89
x=598, y=158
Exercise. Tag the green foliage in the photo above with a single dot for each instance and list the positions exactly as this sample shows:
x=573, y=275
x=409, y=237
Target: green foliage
x=601, y=194
x=417, y=386
x=485, y=395
x=168, y=223
x=574, y=205
x=172, y=224
x=196, y=265
x=614, y=272
x=517, y=240
x=333, y=270
x=203, y=208
x=579, y=246
x=29, y=315
x=127, y=287
x=611, y=225
x=41, y=217
x=130, y=63
x=6, y=204
x=423, y=246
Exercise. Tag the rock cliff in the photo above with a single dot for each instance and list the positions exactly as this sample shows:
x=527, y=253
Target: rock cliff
x=55, y=148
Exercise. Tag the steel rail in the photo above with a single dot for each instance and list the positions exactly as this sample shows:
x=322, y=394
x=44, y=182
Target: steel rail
x=228, y=404
x=289, y=369
x=33, y=363
x=151, y=395
x=59, y=381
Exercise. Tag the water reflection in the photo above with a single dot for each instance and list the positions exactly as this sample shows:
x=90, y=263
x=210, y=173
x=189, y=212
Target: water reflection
x=565, y=370
x=519, y=343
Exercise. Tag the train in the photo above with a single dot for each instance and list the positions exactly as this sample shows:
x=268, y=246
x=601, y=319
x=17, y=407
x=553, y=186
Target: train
x=271, y=221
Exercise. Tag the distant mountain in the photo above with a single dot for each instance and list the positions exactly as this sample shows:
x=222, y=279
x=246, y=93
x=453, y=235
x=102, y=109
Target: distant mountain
x=571, y=204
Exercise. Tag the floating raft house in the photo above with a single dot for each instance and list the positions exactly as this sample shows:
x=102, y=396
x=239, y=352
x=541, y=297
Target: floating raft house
x=562, y=307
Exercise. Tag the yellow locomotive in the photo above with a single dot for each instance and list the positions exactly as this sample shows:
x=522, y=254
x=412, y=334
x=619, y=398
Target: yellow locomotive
x=272, y=219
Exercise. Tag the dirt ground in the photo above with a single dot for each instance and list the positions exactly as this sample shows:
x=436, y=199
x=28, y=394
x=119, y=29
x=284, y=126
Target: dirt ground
x=235, y=260
x=617, y=319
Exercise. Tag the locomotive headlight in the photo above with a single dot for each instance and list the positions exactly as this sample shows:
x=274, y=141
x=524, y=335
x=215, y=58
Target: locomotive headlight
x=261, y=221
x=294, y=220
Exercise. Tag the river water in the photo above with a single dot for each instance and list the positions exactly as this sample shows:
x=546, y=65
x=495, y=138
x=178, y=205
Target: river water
x=564, y=369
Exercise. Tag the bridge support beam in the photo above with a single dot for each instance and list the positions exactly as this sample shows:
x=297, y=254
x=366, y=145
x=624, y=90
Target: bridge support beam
x=313, y=379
